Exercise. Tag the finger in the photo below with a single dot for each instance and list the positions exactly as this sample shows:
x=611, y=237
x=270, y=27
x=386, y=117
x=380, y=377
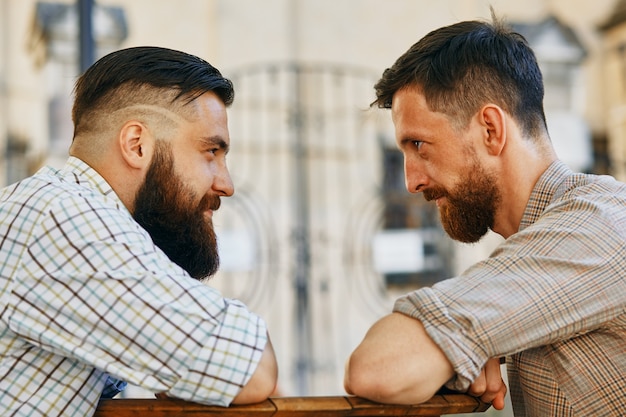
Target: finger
x=495, y=389
x=498, y=401
x=478, y=387
x=493, y=375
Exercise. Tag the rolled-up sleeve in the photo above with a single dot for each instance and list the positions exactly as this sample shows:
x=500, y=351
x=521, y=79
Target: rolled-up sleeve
x=567, y=282
x=450, y=334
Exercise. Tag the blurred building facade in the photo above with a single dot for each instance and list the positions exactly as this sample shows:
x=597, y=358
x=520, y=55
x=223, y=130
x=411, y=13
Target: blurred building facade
x=614, y=48
x=321, y=235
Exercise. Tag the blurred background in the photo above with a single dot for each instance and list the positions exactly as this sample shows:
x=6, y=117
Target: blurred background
x=321, y=235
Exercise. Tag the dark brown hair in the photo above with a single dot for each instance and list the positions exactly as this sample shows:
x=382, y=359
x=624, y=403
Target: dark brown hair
x=463, y=66
x=144, y=75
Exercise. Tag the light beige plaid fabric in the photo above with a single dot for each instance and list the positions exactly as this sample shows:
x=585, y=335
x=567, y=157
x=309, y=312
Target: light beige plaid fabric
x=552, y=298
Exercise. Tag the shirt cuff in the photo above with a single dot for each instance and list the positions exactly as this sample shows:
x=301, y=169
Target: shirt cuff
x=447, y=333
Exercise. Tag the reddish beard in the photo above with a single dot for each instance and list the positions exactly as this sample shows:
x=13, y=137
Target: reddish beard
x=468, y=211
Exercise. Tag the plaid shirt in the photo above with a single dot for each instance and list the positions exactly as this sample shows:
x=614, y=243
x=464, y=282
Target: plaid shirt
x=551, y=298
x=87, y=300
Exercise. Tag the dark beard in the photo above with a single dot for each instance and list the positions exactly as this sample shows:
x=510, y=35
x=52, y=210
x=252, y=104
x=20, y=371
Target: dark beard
x=165, y=207
x=468, y=212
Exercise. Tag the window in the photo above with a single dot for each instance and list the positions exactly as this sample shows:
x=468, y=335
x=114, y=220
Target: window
x=412, y=250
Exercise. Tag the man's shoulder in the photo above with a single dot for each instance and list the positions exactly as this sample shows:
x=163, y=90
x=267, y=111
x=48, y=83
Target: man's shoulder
x=54, y=191
x=44, y=187
x=594, y=193
x=598, y=183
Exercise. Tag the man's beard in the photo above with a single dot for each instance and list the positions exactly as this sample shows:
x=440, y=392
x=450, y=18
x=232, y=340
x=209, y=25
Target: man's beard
x=468, y=211
x=165, y=207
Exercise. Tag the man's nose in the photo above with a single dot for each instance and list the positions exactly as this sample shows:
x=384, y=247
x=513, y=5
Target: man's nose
x=414, y=175
x=222, y=183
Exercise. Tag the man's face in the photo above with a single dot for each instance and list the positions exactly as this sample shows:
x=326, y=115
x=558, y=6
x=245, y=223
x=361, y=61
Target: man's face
x=467, y=209
x=182, y=189
x=440, y=161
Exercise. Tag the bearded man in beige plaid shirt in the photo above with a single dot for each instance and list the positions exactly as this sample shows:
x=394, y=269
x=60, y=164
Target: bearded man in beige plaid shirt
x=467, y=106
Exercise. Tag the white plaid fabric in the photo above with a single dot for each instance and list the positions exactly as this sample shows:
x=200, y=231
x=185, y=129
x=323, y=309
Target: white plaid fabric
x=87, y=297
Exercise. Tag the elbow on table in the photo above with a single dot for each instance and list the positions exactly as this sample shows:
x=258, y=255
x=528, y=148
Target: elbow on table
x=263, y=382
x=269, y=385
x=377, y=385
x=258, y=390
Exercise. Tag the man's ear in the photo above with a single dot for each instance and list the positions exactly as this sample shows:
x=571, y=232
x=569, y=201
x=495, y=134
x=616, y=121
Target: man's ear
x=136, y=143
x=493, y=120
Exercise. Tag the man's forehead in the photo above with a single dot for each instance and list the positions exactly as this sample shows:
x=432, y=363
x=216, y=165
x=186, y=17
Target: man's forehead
x=398, y=104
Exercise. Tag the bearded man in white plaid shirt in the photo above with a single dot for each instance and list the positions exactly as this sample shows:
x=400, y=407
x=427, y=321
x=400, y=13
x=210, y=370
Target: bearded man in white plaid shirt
x=103, y=259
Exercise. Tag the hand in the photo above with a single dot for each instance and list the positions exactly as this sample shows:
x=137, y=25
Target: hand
x=489, y=385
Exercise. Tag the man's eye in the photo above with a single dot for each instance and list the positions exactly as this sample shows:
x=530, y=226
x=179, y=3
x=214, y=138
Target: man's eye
x=418, y=144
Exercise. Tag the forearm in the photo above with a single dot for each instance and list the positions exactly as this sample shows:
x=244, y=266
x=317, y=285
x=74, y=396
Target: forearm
x=397, y=362
x=263, y=381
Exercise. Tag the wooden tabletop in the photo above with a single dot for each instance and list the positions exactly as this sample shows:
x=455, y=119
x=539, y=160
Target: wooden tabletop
x=338, y=406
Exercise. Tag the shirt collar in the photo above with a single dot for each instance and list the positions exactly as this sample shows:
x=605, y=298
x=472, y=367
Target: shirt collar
x=83, y=173
x=544, y=192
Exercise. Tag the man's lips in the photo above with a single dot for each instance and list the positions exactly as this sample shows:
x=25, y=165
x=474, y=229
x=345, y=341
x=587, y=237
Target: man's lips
x=208, y=215
x=431, y=197
x=213, y=205
x=437, y=198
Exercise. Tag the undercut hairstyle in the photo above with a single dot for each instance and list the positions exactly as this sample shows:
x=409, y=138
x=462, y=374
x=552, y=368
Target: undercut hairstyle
x=144, y=75
x=461, y=67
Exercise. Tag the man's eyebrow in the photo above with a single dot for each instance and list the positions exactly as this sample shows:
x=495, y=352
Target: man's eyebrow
x=216, y=141
x=405, y=141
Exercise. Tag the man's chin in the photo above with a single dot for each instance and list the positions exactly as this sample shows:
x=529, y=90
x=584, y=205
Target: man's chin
x=462, y=235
